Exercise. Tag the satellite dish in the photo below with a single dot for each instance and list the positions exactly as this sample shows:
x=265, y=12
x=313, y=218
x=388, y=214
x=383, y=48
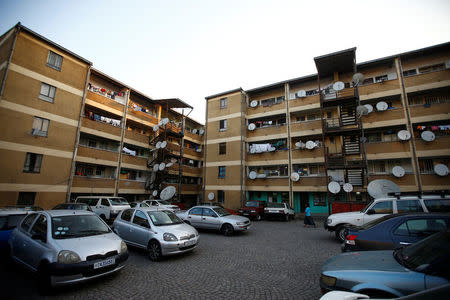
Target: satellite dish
x=381, y=187
x=155, y=128
x=358, y=78
x=201, y=131
x=252, y=175
x=194, y=131
x=165, y=121
x=301, y=93
x=167, y=192
x=295, y=176
x=334, y=187
x=158, y=145
x=310, y=145
x=302, y=145
x=251, y=126
x=404, y=135
x=155, y=167
x=155, y=193
x=298, y=144
x=348, y=187
x=162, y=166
x=398, y=171
x=211, y=196
x=441, y=169
x=163, y=144
x=428, y=136
x=254, y=103
x=338, y=86
x=362, y=110
x=168, y=165
x=382, y=106
x=369, y=108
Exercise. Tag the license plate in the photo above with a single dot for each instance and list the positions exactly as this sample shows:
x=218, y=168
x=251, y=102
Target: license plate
x=245, y=214
x=104, y=263
x=189, y=243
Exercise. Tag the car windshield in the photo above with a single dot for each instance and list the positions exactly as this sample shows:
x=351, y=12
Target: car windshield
x=432, y=250
x=72, y=206
x=276, y=205
x=221, y=211
x=252, y=204
x=73, y=226
x=118, y=201
x=367, y=207
x=164, y=218
x=164, y=202
x=143, y=204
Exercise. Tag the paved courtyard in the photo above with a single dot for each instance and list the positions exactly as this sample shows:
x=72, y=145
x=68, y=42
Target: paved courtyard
x=273, y=260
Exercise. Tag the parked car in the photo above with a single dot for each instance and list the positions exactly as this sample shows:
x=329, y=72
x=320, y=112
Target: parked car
x=162, y=204
x=106, y=207
x=216, y=218
x=73, y=206
x=138, y=204
x=253, y=209
x=9, y=219
x=160, y=232
x=280, y=210
x=384, y=206
x=392, y=231
x=65, y=247
x=388, y=273
x=231, y=211
x=25, y=207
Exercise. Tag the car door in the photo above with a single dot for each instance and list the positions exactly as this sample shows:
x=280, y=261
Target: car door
x=123, y=224
x=20, y=239
x=378, y=210
x=104, y=207
x=210, y=219
x=413, y=230
x=194, y=216
x=38, y=244
x=140, y=229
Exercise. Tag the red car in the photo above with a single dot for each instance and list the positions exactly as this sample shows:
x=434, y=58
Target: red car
x=253, y=209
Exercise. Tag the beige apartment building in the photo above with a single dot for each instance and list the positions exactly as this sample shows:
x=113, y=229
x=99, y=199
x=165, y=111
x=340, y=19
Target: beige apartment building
x=287, y=141
x=69, y=130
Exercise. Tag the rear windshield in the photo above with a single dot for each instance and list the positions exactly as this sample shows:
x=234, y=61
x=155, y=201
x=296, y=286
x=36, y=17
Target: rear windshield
x=221, y=211
x=65, y=227
x=252, y=204
x=437, y=205
x=164, y=218
x=118, y=201
x=276, y=205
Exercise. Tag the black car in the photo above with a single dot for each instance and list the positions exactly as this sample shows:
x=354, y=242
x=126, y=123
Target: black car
x=393, y=231
x=74, y=206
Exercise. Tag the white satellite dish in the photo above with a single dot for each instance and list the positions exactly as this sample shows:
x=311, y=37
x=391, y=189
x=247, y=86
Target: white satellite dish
x=295, y=176
x=163, y=144
x=211, y=196
x=302, y=145
x=165, y=121
x=194, y=131
x=362, y=110
x=334, y=187
x=441, y=169
x=167, y=193
x=155, y=128
x=201, y=131
x=358, y=78
x=310, y=145
x=173, y=160
x=428, y=136
x=369, y=108
x=272, y=148
x=398, y=171
x=381, y=187
x=168, y=165
x=348, y=187
x=301, y=93
x=382, y=106
x=252, y=175
x=155, y=167
x=162, y=166
x=251, y=126
x=404, y=135
x=261, y=175
x=338, y=86
x=298, y=144
x=155, y=193
x=254, y=103
x=158, y=145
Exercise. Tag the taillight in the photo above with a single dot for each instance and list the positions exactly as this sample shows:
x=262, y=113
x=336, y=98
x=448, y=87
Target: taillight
x=350, y=239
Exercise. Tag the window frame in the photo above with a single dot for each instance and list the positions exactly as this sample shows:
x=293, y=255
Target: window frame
x=38, y=130
x=54, y=65
x=37, y=163
x=221, y=196
x=223, y=102
x=222, y=148
x=223, y=125
x=143, y=218
x=47, y=97
x=222, y=172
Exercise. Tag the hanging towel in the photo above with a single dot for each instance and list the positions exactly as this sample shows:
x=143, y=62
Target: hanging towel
x=434, y=128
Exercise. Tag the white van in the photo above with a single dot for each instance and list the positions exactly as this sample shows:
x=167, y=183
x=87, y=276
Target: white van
x=107, y=207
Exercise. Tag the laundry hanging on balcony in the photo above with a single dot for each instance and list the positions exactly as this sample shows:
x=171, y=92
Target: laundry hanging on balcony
x=128, y=151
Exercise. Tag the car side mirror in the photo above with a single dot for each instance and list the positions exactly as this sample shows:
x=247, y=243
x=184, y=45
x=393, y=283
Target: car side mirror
x=39, y=237
x=371, y=212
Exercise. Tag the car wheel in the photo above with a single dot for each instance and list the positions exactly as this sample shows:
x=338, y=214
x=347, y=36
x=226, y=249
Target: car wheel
x=341, y=233
x=44, y=279
x=227, y=229
x=154, y=250
x=258, y=217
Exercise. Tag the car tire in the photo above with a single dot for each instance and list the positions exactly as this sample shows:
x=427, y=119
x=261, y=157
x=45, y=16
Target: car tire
x=154, y=250
x=44, y=280
x=341, y=232
x=258, y=217
x=227, y=229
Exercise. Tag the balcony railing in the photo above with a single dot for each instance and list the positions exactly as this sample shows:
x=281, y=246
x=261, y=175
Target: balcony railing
x=101, y=126
x=347, y=93
x=378, y=148
x=93, y=182
x=440, y=143
x=430, y=110
x=428, y=78
x=95, y=153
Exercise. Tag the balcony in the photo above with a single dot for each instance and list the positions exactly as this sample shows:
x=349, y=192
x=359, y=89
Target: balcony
x=101, y=126
x=406, y=182
x=193, y=152
x=434, y=182
x=131, y=184
x=93, y=182
x=267, y=182
x=339, y=125
x=430, y=112
x=137, y=137
x=267, y=131
x=194, y=137
x=384, y=118
x=134, y=160
x=306, y=128
x=380, y=89
x=439, y=147
x=138, y=115
x=394, y=149
x=306, y=155
x=427, y=81
x=337, y=97
x=95, y=153
x=103, y=100
x=260, y=109
x=308, y=102
x=192, y=171
x=339, y=161
x=311, y=181
x=268, y=156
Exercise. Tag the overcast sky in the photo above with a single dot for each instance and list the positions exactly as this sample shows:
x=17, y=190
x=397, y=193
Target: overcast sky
x=193, y=49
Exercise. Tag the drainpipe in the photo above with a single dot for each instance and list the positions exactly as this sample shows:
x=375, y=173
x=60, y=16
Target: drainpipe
x=244, y=104
x=205, y=143
x=289, y=143
x=77, y=137
x=17, y=29
x=122, y=136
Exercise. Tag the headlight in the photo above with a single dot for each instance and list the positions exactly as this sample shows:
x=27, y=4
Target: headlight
x=123, y=247
x=328, y=280
x=68, y=257
x=168, y=237
x=240, y=223
x=329, y=221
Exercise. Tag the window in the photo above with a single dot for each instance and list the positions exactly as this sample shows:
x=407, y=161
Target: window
x=433, y=68
x=374, y=137
x=421, y=227
x=376, y=167
x=209, y=213
x=367, y=81
x=26, y=198
x=196, y=211
x=126, y=215
x=438, y=205
x=301, y=118
x=105, y=202
x=141, y=219
x=28, y=221
x=40, y=226
x=47, y=92
x=222, y=148
x=384, y=207
x=409, y=72
x=221, y=196
x=222, y=171
x=223, y=125
x=40, y=126
x=426, y=166
x=33, y=163
x=223, y=102
x=100, y=171
x=409, y=206
x=54, y=61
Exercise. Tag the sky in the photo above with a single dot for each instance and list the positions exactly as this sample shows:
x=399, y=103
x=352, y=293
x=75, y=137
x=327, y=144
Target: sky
x=193, y=49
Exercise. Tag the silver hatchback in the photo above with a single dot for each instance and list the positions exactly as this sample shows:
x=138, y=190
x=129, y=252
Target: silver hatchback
x=160, y=232
x=67, y=246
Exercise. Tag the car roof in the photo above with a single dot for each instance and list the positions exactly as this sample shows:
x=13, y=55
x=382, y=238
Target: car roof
x=12, y=211
x=206, y=206
x=424, y=197
x=149, y=208
x=65, y=212
x=415, y=214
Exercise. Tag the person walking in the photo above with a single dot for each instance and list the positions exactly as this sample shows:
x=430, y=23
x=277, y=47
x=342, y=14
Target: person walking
x=308, y=219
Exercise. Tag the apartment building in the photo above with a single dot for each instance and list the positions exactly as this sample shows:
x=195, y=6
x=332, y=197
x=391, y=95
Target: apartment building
x=287, y=141
x=72, y=130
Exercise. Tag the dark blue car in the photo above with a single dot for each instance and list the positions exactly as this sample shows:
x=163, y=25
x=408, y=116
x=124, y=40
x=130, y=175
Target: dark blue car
x=9, y=219
x=393, y=231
